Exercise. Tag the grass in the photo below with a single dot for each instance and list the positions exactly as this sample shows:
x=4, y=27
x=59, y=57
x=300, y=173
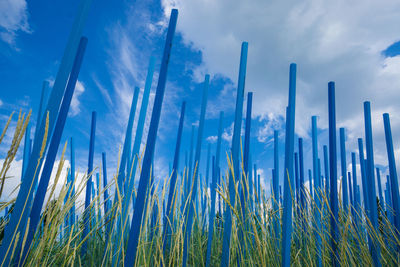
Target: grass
x=258, y=247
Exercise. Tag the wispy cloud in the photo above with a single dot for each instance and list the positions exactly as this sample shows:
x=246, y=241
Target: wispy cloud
x=13, y=19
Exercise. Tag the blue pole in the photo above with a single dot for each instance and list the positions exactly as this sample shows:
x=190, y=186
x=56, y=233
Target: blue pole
x=394, y=184
x=26, y=155
x=275, y=186
x=326, y=168
x=150, y=145
x=168, y=217
x=344, y=169
x=215, y=178
x=363, y=174
x=53, y=148
x=371, y=180
x=317, y=197
x=378, y=178
x=235, y=156
x=43, y=103
x=19, y=217
x=72, y=212
x=333, y=175
x=106, y=197
x=196, y=171
x=89, y=185
x=302, y=187
x=288, y=181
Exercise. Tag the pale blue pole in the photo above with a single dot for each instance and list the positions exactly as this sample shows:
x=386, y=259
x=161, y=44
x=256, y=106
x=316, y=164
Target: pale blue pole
x=235, y=156
x=363, y=174
x=317, y=197
x=150, y=145
x=196, y=171
x=288, y=181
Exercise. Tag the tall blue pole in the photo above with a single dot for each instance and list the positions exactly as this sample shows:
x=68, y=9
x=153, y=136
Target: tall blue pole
x=21, y=211
x=168, y=217
x=235, y=152
x=394, y=184
x=317, y=197
x=326, y=169
x=188, y=233
x=344, y=169
x=302, y=187
x=106, y=197
x=333, y=174
x=27, y=148
x=150, y=145
x=275, y=186
x=87, y=212
x=72, y=211
x=371, y=180
x=54, y=144
x=363, y=174
x=378, y=180
x=43, y=103
x=288, y=181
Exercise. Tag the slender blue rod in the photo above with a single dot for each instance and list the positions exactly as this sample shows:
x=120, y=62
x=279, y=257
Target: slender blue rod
x=326, y=169
x=193, y=196
x=168, y=217
x=288, y=182
x=333, y=174
x=89, y=184
x=363, y=174
x=26, y=154
x=21, y=211
x=302, y=187
x=150, y=145
x=72, y=170
x=53, y=148
x=275, y=186
x=43, y=103
x=235, y=152
x=378, y=180
x=105, y=194
x=345, y=198
x=394, y=184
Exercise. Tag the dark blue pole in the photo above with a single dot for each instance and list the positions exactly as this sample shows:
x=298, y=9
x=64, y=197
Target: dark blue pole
x=235, y=156
x=344, y=169
x=378, y=180
x=54, y=144
x=326, y=168
x=150, y=145
x=288, y=181
x=168, y=217
x=394, y=184
x=333, y=175
x=87, y=212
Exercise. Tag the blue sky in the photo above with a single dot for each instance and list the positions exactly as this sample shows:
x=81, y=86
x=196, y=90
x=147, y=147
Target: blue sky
x=334, y=41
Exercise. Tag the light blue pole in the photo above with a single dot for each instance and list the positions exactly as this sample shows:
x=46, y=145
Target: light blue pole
x=235, y=156
x=288, y=181
x=317, y=196
x=275, y=186
x=150, y=145
x=363, y=174
x=26, y=155
x=344, y=170
x=303, y=203
x=326, y=168
x=72, y=211
x=106, y=197
x=191, y=203
x=43, y=104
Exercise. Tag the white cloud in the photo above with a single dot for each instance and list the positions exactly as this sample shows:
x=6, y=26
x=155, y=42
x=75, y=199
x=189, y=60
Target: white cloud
x=13, y=18
x=1, y=103
x=329, y=40
x=75, y=103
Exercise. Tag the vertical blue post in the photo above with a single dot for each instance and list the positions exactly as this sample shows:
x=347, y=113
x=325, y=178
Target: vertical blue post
x=72, y=211
x=189, y=181
x=275, y=186
x=311, y=183
x=246, y=152
x=378, y=180
x=106, y=197
x=326, y=168
x=150, y=145
x=394, y=184
x=89, y=184
x=344, y=169
x=356, y=206
x=333, y=174
x=43, y=103
x=371, y=180
x=25, y=157
x=54, y=144
x=350, y=190
x=235, y=156
x=196, y=171
x=19, y=217
x=363, y=174
x=215, y=176
x=302, y=187
x=168, y=217
x=317, y=197
x=288, y=181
